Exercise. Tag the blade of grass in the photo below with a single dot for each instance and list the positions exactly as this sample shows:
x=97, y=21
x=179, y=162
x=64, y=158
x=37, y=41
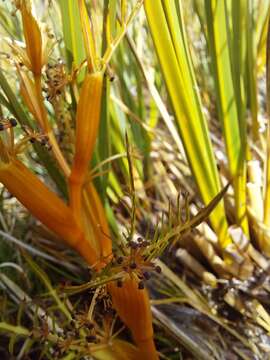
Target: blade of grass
x=45, y=279
x=251, y=76
x=171, y=45
x=103, y=149
x=266, y=219
x=231, y=116
x=72, y=36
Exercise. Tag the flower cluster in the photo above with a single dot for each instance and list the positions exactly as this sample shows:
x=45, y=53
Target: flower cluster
x=134, y=263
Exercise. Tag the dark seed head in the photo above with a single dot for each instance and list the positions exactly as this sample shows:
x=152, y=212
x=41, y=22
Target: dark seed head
x=90, y=326
x=32, y=140
x=119, y=260
x=140, y=239
x=91, y=338
x=133, y=245
x=146, y=275
x=12, y=122
x=158, y=269
x=133, y=265
x=140, y=285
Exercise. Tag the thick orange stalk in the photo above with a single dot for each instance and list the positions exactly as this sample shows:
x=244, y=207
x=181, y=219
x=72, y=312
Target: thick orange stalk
x=97, y=218
x=87, y=123
x=133, y=307
x=45, y=206
x=86, y=202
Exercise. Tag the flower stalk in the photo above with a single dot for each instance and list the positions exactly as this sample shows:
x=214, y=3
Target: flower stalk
x=45, y=206
x=87, y=123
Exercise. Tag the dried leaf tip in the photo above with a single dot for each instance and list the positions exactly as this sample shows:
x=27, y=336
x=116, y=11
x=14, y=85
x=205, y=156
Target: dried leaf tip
x=38, y=40
x=89, y=42
x=33, y=38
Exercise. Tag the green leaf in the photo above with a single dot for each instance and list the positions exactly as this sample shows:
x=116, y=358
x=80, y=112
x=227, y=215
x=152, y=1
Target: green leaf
x=72, y=32
x=226, y=68
x=167, y=28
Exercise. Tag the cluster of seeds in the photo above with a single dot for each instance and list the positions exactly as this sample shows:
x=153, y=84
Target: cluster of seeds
x=56, y=80
x=31, y=135
x=36, y=137
x=79, y=334
x=135, y=263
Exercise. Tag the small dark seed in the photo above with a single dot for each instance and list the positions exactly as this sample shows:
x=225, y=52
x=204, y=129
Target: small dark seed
x=140, y=239
x=12, y=122
x=90, y=326
x=133, y=245
x=119, y=260
x=91, y=338
x=133, y=265
x=146, y=275
x=158, y=269
x=140, y=285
